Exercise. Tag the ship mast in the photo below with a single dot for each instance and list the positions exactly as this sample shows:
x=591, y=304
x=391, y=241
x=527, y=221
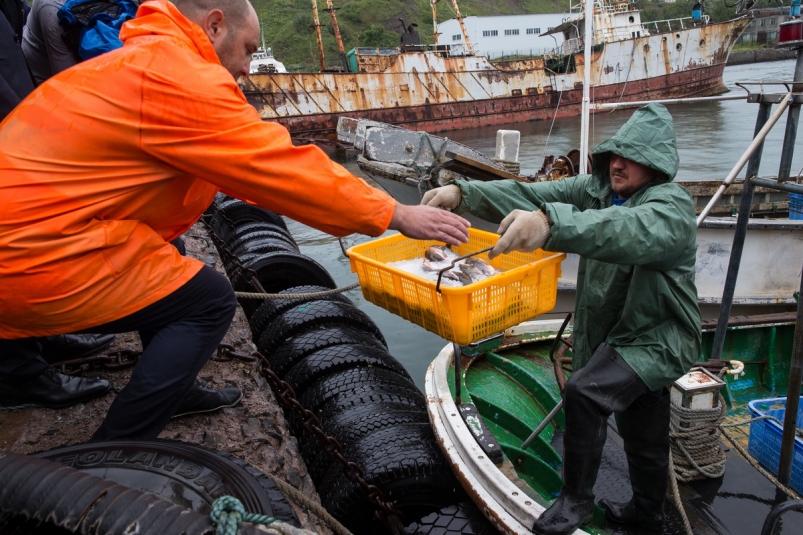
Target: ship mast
x=317, y=26
x=462, y=28
x=588, y=41
x=435, y=33
x=336, y=28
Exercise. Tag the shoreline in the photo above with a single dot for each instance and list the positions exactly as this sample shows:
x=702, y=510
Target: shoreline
x=760, y=55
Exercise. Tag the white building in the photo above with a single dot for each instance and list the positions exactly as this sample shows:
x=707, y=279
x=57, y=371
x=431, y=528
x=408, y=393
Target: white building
x=507, y=35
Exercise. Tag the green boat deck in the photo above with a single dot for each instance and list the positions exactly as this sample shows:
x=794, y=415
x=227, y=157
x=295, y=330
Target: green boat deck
x=514, y=388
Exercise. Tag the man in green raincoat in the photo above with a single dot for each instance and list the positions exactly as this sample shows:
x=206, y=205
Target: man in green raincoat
x=637, y=323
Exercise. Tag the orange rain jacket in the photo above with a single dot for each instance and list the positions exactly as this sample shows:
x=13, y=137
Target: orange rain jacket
x=108, y=161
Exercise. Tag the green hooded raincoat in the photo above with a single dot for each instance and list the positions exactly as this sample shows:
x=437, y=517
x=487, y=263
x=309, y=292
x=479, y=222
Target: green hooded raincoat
x=635, y=283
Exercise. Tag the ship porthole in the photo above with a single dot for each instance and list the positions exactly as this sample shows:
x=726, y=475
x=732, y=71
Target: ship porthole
x=664, y=38
x=631, y=19
x=646, y=48
x=678, y=46
x=702, y=42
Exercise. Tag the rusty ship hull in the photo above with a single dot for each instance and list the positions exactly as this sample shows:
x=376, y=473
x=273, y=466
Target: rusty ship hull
x=433, y=92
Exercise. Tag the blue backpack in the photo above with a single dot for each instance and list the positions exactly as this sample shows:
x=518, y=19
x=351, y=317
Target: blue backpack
x=92, y=27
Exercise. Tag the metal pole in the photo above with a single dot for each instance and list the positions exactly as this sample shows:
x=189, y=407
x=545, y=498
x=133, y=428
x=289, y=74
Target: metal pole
x=796, y=369
x=588, y=39
x=755, y=146
x=548, y=418
x=317, y=26
x=330, y=8
x=792, y=400
x=456, y=350
x=738, y=237
x=686, y=100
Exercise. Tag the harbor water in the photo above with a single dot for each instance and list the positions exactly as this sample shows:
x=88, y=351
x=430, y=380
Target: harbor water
x=711, y=137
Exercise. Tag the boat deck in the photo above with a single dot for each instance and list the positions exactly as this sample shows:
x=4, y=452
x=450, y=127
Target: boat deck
x=514, y=387
x=736, y=504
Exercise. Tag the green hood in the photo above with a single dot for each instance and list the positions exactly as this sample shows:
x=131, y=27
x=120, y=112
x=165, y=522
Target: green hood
x=647, y=138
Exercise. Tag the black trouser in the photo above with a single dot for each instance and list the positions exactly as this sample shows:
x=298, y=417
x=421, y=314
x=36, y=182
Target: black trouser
x=606, y=384
x=179, y=333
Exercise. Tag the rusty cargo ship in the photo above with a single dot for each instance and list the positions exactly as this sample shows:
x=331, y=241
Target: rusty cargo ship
x=427, y=88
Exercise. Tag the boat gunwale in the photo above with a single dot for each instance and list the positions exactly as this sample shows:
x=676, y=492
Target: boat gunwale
x=500, y=500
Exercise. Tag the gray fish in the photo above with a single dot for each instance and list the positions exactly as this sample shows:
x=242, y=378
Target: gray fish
x=486, y=268
x=450, y=275
x=437, y=253
x=472, y=272
x=462, y=277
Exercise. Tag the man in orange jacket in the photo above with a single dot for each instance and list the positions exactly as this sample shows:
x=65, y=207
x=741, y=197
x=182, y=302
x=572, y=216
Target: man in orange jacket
x=107, y=162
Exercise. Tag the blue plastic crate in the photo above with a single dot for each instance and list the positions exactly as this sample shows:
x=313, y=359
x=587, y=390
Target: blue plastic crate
x=765, y=438
x=795, y=206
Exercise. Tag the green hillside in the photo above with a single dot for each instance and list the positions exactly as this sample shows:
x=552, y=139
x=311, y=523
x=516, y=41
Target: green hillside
x=288, y=24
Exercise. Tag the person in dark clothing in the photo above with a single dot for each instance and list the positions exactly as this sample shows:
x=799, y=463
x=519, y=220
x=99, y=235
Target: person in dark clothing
x=15, y=79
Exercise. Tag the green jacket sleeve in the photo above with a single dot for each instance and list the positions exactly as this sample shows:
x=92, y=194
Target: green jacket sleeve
x=652, y=234
x=493, y=201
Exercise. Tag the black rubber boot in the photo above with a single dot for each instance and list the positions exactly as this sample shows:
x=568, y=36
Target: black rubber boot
x=645, y=432
x=52, y=390
x=575, y=505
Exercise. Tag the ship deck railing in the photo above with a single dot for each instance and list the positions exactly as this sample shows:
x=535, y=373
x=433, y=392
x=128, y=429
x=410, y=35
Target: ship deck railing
x=672, y=25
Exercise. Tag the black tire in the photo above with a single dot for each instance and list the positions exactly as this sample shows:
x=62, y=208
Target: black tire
x=184, y=474
x=315, y=338
x=404, y=461
x=464, y=518
x=267, y=245
x=279, y=271
x=232, y=213
x=352, y=425
x=333, y=359
x=352, y=380
x=270, y=309
x=260, y=226
x=311, y=314
x=257, y=235
x=240, y=212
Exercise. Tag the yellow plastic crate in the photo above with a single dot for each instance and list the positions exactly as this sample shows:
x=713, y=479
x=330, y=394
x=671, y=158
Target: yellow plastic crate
x=527, y=287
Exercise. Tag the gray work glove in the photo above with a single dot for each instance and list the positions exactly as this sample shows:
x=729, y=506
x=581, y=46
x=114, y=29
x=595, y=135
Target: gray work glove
x=447, y=197
x=522, y=231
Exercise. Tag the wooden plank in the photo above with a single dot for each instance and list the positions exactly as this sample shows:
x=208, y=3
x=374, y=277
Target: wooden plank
x=478, y=170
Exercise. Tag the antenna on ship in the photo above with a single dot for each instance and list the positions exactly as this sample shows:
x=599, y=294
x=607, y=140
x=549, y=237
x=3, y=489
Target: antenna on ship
x=435, y=33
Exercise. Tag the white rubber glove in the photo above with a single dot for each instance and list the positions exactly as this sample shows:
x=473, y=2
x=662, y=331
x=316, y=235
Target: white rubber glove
x=447, y=197
x=522, y=231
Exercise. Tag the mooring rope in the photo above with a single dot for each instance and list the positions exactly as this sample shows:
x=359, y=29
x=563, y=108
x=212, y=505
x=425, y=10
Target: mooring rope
x=310, y=505
x=695, y=437
x=311, y=295
x=228, y=514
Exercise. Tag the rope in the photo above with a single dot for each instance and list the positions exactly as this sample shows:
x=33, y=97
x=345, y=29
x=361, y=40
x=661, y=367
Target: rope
x=311, y=506
x=673, y=485
x=749, y=458
x=228, y=513
x=436, y=154
x=253, y=295
x=695, y=437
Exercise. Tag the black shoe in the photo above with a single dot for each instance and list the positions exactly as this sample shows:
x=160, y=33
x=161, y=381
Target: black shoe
x=201, y=398
x=646, y=436
x=73, y=346
x=52, y=389
x=569, y=512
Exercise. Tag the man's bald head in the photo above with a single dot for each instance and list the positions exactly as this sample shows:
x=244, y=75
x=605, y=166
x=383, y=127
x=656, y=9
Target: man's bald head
x=234, y=10
x=232, y=27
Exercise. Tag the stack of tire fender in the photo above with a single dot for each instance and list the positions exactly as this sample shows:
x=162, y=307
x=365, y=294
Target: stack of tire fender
x=336, y=359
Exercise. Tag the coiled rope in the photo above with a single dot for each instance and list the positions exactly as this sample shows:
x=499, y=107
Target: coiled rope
x=695, y=437
x=228, y=514
x=312, y=295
